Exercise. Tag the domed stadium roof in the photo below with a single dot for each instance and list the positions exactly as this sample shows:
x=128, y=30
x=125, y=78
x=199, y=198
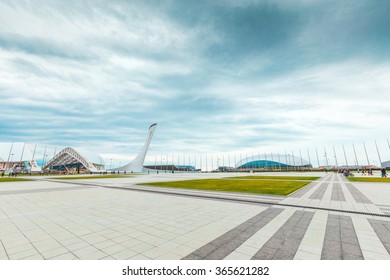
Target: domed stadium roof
x=272, y=160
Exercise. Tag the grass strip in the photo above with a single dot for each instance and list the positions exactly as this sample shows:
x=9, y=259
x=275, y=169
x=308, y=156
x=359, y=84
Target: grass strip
x=369, y=179
x=273, y=187
x=290, y=178
x=10, y=179
x=87, y=177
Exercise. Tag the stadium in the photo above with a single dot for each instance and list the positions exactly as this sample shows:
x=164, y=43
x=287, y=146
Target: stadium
x=24, y=158
x=263, y=162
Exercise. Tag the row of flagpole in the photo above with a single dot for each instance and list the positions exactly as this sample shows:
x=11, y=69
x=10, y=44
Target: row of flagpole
x=212, y=161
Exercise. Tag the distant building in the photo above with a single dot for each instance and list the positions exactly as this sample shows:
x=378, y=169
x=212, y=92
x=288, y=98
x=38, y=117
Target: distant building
x=21, y=158
x=170, y=168
x=386, y=164
x=263, y=162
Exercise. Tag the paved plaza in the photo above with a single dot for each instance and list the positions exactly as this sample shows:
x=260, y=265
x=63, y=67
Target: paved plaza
x=114, y=219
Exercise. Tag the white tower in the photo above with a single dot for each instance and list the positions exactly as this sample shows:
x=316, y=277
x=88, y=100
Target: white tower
x=137, y=164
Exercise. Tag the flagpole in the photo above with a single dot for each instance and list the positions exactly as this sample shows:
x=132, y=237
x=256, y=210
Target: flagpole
x=345, y=156
x=9, y=156
x=365, y=150
x=379, y=156
x=335, y=157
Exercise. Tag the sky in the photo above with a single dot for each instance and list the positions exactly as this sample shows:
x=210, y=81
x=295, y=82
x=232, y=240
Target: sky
x=217, y=76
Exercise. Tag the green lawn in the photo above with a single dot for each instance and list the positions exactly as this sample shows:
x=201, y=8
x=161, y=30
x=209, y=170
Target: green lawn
x=290, y=178
x=86, y=177
x=12, y=179
x=369, y=179
x=258, y=186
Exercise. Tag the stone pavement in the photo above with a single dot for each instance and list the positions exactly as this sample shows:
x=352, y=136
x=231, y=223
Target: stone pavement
x=113, y=219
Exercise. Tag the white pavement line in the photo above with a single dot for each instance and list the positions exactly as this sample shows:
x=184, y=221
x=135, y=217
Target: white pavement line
x=325, y=201
x=370, y=244
x=255, y=242
x=350, y=204
x=372, y=208
x=313, y=241
x=362, y=207
x=304, y=200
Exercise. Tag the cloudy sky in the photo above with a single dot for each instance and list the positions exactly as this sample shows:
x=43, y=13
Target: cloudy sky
x=217, y=76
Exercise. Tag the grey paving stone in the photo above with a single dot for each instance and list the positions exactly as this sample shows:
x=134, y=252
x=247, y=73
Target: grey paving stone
x=351, y=257
x=275, y=242
x=351, y=249
x=298, y=233
x=319, y=193
x=192, y=257
x=284, y=255
x=265, y=253
x=331, y=250
x=332, y=235
x=222, y=246
x=349, y=238
x=303, y=190
x=382, y=231
x=291, y=245
x=357, y=195
x=287, y=238
x=337, y=193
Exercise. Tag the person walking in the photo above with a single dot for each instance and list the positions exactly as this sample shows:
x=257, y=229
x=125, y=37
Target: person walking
x=383, y=172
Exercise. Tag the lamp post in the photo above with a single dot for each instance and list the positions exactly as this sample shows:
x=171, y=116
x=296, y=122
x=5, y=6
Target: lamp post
x=9, y=155
x=326, y=160
x=11, y=165
x=110, y=163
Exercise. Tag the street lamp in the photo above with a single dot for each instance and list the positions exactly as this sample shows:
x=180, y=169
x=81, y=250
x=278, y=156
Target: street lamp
x=110, y=163
x=10, y=163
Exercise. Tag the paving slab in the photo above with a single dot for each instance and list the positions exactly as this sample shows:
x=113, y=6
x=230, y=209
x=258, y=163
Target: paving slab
x=115, y=219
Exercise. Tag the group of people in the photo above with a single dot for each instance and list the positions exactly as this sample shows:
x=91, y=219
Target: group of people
x=10, y=174
x=346, y=173
x=365, y=171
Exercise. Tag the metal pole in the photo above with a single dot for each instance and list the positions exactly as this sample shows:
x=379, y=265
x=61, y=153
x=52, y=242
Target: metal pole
x=293, y=158
x=368, y=161
x=287, y=161
x=280, y=164
x=345, y=157
x=272, y=164
x=335, y=157
x=318, y=160
x=308, y=156
x=379, y=156
x=326, y=158
x=195, y=161
x=21, y=156
x=43, y=160
x=388, y=143
x=300, y=154
x=354, y=151
x=35, y=147
x=9, y=155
